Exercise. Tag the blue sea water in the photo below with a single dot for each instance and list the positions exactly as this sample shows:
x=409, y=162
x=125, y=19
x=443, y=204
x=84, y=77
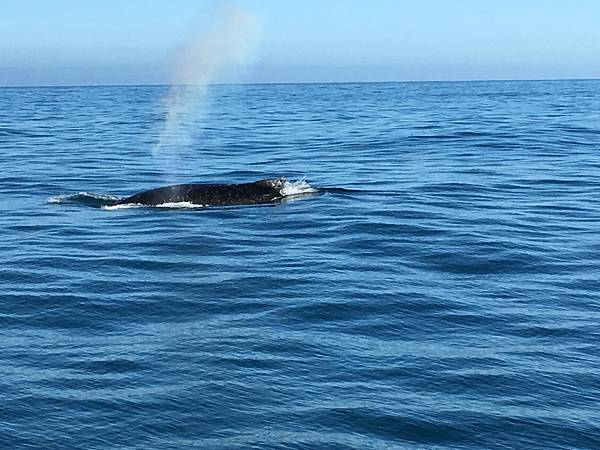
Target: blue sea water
x=450, y=300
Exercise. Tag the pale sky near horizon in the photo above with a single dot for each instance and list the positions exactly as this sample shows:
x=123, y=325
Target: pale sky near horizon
x=69, y=42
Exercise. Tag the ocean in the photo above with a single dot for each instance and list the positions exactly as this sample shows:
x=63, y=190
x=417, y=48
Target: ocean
x=446, y=297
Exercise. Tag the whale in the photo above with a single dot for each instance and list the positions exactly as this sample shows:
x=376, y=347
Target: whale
x=269, y=190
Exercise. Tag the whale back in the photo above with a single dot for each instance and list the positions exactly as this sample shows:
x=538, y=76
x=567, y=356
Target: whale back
x=261, y=191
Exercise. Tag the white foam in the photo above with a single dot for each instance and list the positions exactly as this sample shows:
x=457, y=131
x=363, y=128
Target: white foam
x=180, y=205
x=57, y=199
x=297, y=188
x=125, y=206
x=174, y=205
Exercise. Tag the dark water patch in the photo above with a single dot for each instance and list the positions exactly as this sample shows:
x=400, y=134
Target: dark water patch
x=16, y=133
x=109, y=366
x=478, y=265
x=579, y=129
x=398, y=428
x=388, y=230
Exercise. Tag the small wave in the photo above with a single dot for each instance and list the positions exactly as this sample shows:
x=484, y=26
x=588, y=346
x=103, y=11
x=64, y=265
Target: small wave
x=8, y=132
x=298, y=187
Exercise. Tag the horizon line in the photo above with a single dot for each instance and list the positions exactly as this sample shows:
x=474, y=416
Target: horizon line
x=255, y=83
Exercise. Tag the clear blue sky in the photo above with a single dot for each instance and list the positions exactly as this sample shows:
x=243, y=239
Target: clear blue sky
x=133, y=41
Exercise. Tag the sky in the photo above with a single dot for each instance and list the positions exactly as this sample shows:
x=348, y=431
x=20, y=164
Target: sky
x=74, y=42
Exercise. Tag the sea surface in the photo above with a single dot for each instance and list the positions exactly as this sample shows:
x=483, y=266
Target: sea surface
x=449, y=299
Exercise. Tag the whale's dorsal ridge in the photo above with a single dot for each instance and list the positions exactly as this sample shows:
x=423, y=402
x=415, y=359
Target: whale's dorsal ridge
x=262, y=191
x=275, y=183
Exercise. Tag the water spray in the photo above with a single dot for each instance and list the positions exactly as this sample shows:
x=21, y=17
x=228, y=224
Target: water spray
x=220, y=51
